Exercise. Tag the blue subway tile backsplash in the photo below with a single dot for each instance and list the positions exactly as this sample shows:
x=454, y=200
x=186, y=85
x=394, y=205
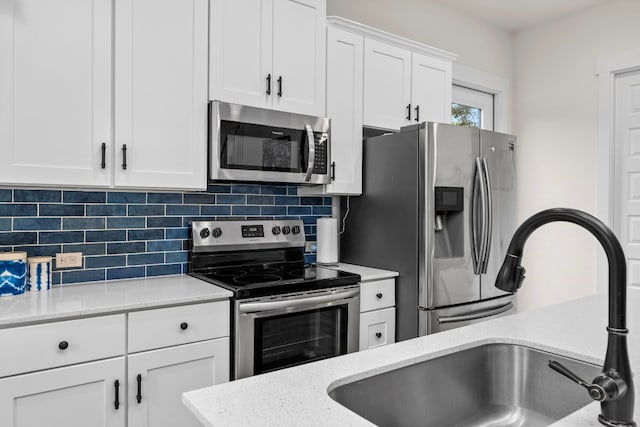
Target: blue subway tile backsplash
x=135, y=233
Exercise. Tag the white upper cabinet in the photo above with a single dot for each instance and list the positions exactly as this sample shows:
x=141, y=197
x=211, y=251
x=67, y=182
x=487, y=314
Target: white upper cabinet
x=430, y=89
x=55, y=91
x=161, y=93
x=387, y=85
x=57, y=106
x=269, y=54
x=345, y=63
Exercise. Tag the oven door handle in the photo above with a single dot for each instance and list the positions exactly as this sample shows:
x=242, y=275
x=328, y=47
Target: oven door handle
x=253, y=307
x=311, y=140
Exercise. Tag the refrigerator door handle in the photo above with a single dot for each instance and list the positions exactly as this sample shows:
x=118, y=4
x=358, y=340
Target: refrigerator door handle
x=475, y=316
x=475, y=251
x=483, y=219
x=488, y=227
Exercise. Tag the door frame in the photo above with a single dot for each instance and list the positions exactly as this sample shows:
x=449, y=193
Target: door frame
x=607, y=70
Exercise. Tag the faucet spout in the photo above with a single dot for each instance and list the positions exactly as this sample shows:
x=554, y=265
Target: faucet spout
x=616, y=377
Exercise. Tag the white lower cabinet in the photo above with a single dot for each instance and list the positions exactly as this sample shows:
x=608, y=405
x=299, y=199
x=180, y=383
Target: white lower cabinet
x=158, y=378
x=77, y=373
x=377, y=313
x=74, y=396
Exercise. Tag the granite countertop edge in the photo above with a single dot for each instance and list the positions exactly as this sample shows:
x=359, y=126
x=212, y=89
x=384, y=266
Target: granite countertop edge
x=65, y=302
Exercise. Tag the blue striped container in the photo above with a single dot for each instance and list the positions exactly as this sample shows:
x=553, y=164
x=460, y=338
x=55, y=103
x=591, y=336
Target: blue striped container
x=13, y=273
x=40, y=273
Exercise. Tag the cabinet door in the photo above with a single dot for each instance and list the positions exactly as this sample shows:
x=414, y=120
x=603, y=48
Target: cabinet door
x=299, y=56
x=241, y=52
x=377, y=328
x=167, y=373
x=161, y=93
x=430, y=89
x=55, y=91
x=387, y=85
x=77, y=396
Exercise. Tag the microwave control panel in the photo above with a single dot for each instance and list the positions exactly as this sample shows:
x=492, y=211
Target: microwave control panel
x=321, y=157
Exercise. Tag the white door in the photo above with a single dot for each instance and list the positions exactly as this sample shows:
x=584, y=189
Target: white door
x=55, y=91
x=430, y=89
x=387, y=85
x=155, y=400
x=76, y=396
x=161, y=93
x=240, y=64
x=474, y=106
x=627, y=185
x=299, y=56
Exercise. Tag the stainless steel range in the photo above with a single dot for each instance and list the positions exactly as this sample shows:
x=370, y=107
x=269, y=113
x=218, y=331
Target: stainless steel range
x=284, y=312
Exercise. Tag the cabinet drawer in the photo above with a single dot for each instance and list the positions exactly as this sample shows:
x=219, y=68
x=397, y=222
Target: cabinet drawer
x=377, y=328
x=165, y=327
x=31, y=348
x=377, y=294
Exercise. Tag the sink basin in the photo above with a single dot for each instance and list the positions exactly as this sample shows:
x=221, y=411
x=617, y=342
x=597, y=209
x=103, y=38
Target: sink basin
x=490, y=385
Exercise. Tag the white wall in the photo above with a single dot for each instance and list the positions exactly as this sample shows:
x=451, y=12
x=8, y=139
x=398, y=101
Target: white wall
x=556, y=119
x=480, y=45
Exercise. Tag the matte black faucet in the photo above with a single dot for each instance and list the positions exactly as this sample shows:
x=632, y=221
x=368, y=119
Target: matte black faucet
x=614, y=386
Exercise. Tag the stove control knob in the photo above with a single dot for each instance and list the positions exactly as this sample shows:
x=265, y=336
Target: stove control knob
x=275, y=230
x=286, y=229
x=204, y=233
x=295, y=229
x=217, y=232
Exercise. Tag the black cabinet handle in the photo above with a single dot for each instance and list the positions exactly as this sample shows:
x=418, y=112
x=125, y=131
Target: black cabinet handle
x=103, y=164
x=409, y=112
x=378, y=334
x=184, y=326
x=139, y=395
x=116, y=402
x=280, y=86
x=333, y=171
x=268, y=84
x=417, y=113
x=124, y=156
x=379, y=295
x=63, y=345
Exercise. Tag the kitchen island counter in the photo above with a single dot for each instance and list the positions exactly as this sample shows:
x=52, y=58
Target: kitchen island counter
x=299, y=396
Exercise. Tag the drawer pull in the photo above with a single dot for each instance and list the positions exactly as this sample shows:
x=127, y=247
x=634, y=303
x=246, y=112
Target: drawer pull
x=184, y=326
x=379, y=295
x=378, y=334
x=63, y=345
x=116, y=402
x=139, y=395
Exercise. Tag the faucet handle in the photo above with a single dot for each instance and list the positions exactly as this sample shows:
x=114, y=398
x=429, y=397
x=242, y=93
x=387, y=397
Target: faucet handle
x=595, y=391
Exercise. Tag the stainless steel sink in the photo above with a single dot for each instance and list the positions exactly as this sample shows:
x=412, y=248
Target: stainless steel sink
x=490, y=385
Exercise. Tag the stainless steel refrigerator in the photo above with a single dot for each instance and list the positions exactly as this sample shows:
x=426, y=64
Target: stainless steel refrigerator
x=438, y=206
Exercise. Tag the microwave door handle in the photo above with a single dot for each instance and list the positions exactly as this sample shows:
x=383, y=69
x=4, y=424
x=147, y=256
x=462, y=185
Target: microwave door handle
x=253, y=307
x=312, y=152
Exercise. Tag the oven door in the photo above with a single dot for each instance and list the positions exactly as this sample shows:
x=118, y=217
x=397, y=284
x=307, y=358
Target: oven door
x=254, y=144
x=291, y=330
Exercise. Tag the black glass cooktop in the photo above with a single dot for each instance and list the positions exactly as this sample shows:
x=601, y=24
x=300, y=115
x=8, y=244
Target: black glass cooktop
x=249, y=281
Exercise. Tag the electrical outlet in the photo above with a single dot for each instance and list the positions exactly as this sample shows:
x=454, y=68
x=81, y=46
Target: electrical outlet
x=310, y=246
x=69, y=260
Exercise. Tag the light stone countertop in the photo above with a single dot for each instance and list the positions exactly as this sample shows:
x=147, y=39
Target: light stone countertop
x=367, y=274
x=80, y=300
x=298, y=396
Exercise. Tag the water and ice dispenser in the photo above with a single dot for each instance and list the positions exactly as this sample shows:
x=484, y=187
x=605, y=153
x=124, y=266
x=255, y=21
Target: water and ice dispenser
x=449, y=222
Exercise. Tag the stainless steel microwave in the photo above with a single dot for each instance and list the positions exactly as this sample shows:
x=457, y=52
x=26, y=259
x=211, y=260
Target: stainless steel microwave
x=257, y=144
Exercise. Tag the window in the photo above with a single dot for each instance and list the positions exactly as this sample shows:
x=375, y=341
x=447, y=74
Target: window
x=472, y=108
